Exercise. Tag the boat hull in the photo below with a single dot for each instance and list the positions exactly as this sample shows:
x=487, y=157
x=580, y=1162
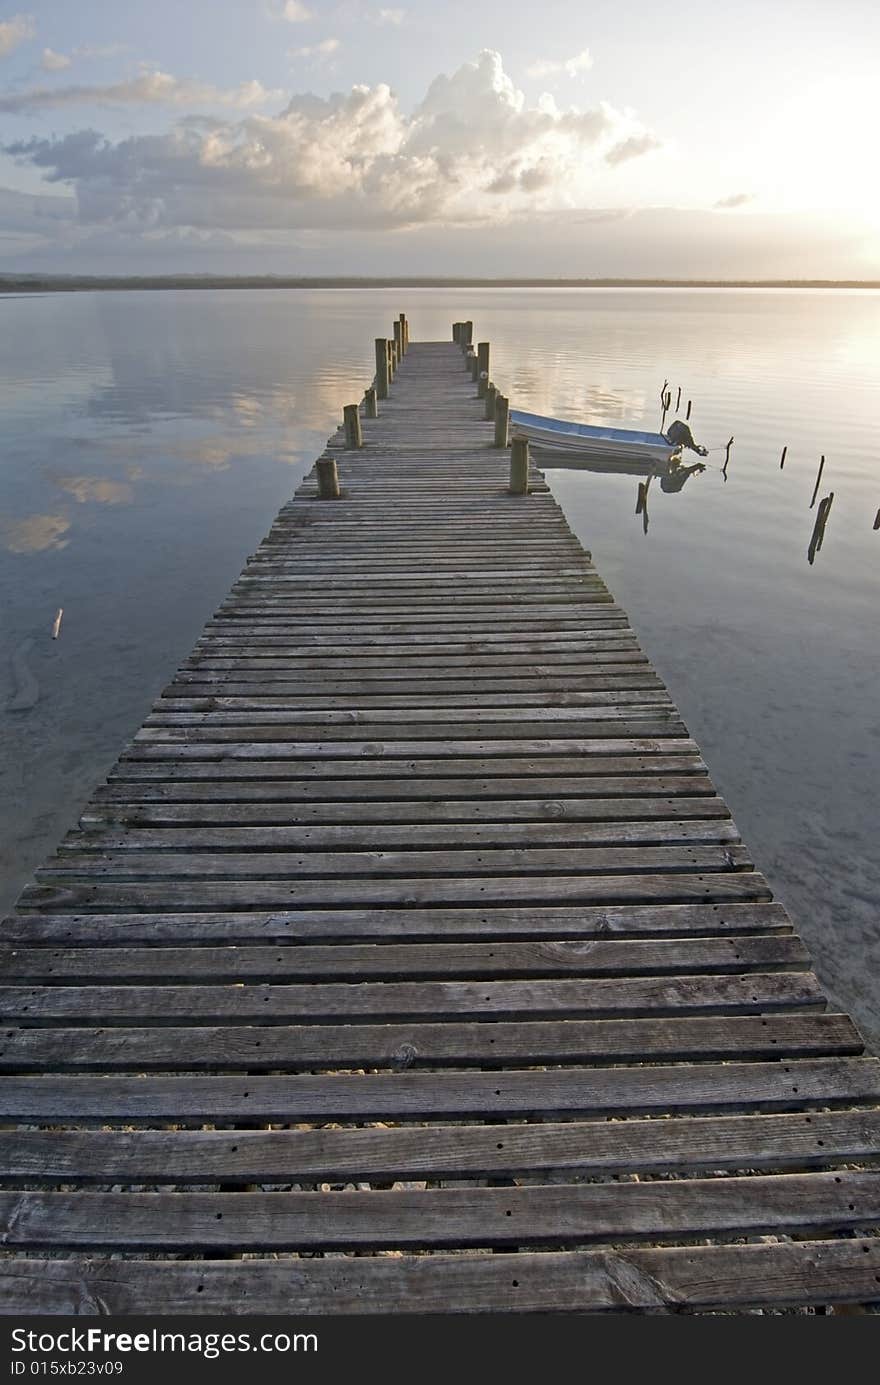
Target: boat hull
x=557, y=436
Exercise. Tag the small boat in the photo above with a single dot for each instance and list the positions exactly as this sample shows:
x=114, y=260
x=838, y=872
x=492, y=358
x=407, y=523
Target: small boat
x=558, y=435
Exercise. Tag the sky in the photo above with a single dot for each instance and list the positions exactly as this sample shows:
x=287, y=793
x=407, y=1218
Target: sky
x=618, y=138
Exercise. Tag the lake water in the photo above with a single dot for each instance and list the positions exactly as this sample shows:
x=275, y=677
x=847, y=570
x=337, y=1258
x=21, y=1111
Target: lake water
x=149, y=438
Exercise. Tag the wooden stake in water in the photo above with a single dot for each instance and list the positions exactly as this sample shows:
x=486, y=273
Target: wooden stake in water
x=782, y=458
x=819, y=527
x=877, y=520
x=726, y=457
x=818, y=479
x=678, y=400
x=688, y=414
x=56, y=624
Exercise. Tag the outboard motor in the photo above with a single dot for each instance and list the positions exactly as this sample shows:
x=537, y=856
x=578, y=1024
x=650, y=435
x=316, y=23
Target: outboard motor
x=680, y=435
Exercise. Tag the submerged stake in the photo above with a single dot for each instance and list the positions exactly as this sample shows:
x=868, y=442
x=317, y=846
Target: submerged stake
x=688, y=414
x=877, y=520
x=819, y=527
x=678, y=400
x=727, y=455
x=818, y=479
x=56, y=624
x=782, y=458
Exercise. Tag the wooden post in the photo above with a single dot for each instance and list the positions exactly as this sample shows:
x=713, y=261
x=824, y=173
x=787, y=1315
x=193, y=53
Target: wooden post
x=389, y=347
x=468, y=333
x=328, y=478
x=818, y=480
x=491, y=393
x=382, y=379
x=473, y=365
x=397, y=329
x=404, y=333
x=819, y=527
x=502, y=419
x=519, y=466
x=352, y=424
x=371, y=408
x=456, y=332
x=482, y=368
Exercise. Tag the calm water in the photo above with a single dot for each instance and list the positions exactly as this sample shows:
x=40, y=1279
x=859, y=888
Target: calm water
x=148, y=439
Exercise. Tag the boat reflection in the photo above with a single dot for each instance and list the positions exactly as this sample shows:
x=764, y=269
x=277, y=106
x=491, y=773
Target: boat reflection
x=670, y=476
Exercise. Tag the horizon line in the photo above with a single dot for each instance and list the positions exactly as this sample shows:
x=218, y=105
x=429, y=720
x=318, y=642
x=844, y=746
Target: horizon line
x=34, y=281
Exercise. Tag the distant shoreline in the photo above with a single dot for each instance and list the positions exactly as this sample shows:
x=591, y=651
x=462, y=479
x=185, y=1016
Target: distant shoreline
x=49, y=283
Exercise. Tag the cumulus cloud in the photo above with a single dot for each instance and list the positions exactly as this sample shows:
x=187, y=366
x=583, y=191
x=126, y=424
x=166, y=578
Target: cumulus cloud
x=54, y=62
x=633, y=147
x=570, y=67
x=295, y=12
x=736, y=199
x=395, y=17
x=473, y=150
x=150, y=88
x=14, y=31
x=324, y=49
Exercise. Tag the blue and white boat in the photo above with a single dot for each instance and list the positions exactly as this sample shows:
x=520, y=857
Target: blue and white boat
x=558, y=435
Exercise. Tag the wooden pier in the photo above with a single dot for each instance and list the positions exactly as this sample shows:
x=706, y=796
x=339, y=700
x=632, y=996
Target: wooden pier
x=409, y=961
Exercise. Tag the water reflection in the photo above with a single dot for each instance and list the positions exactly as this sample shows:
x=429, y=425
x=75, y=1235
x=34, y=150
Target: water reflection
x=671, y=476
x=95, y=489
x=34, y=533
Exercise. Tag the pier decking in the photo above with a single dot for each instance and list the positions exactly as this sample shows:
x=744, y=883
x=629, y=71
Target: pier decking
x=409, y=961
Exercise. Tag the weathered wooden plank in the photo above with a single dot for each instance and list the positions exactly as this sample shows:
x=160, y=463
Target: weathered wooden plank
x=493, y=770
x=705, y=1087
x=677, y=1144
x=718, y=887
x=414, y=663
x=487, y=1044
x=427, y=921
x=565, y=1213
x=648, y=1279
x=622, y=738
x=554, y=957
x=683, y=806
x=622, y=702
x=320, y=1001
x=441, y=653
x=222, y=693
x=407, y=836
x=268, y=865
x=277, y=728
